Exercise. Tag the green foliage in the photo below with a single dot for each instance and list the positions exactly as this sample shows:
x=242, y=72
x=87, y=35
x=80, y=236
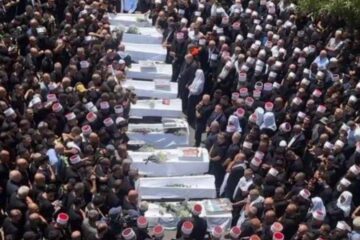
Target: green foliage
x=348, y=10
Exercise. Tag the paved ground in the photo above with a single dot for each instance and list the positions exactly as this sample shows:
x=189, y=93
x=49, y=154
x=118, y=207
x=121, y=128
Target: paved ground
x=169, y=235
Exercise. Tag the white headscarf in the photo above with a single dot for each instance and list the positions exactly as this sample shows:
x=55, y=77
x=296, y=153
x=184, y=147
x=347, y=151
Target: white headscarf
x=344, y=202
x=259, y=112
x=243, y=185
x=225, y=70
x=233, y=124
x=197, y=85
x=269, y=121
x=317, y=205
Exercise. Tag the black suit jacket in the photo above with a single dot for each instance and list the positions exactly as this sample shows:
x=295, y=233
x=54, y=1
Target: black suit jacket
x=236, y=173
x=186, y=76
x=298, y=145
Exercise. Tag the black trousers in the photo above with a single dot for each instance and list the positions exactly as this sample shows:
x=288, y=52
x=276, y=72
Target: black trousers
x=199, y=129
x=176, y=67
x=216, y=169
x=190, y=111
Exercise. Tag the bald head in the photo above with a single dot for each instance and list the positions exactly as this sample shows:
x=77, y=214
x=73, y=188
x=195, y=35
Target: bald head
x=39, y=179
x=34, y=216
x=22, y=163
x=302, y=229
x=3, y=92
x=93, y=137
x=15, y=176
x=133, y=196
x=255, y=223
x=15, y=213
x=270, y=216
x=205, y=99
x=33, y=51
x=76, y=235
x=4, y=156
x=268, y=201
x=291, y=208
x=133, y=193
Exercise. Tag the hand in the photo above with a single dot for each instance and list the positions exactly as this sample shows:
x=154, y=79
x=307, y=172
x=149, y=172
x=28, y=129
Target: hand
x=172, y=54
x=104, y=179
x=29, y=200
x=93, y=177
x=265, y=166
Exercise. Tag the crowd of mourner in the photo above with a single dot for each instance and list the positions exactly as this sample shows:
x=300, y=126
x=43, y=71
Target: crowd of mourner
x=272, y=94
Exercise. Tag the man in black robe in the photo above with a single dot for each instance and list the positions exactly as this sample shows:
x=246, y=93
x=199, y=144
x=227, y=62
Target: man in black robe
x=178, y=52
x=186, y=75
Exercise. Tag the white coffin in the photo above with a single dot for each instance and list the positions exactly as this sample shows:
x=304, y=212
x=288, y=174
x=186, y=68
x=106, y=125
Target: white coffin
x=163, y=71
x=142, y=31
x=156, y=214
x=147, y=36
x=155, y=135
x=142, y=39
x=139, y=20
x=172, y=163
x=144, y=36
x=188, y=187
x=147, y=66
x=157, y=108
x=148, y=89
x=142, y=51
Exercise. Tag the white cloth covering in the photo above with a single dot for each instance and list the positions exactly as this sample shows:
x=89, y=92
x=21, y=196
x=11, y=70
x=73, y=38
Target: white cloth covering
x=143, y=51
x=156, y=135
x=344, y=202
x=162, y=71
x=157, y=108
x=155, y=216
x=148, y=89
x=233, y=124
x=197, y=85
x=269, y=121
x=186, y=187
x=139, y=20
x=175, y=165
x=317, y=205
